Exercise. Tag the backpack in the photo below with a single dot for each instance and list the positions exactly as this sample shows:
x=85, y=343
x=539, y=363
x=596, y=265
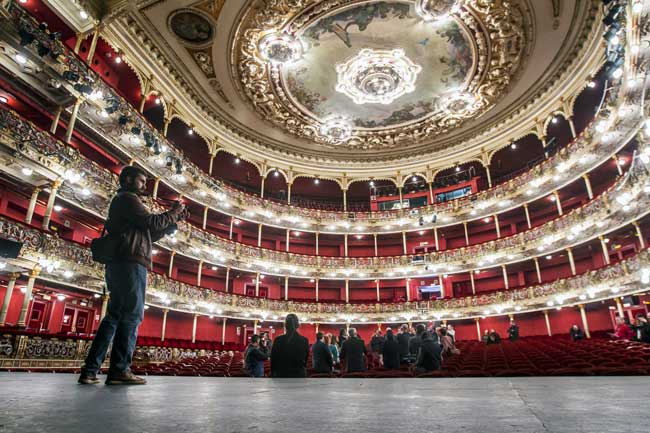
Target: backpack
x=104, y=248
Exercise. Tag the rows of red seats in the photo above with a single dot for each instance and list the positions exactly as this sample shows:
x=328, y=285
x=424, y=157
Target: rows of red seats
x=187, y=344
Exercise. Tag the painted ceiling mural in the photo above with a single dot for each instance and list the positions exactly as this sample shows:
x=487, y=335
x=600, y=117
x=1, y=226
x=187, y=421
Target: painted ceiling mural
x=422, y=78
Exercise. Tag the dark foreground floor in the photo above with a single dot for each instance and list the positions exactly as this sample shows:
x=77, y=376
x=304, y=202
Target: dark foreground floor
x=55, y=403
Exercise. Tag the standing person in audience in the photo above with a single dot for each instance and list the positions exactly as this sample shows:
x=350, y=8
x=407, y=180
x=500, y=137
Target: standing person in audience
x=377, y=342
x=414, y=342
x=134, y=229
x=403, y=338
x=622, y=331
x=513, y=331
x=254, y=357
x=451, y=332
x=390, y=351
x=576, y=333
x=353, y=352
x=321, y=356
x=429, y=355
x=265, y=341
x=343, y=335
x=448, y=346
x=493, y=337
x=486, y=336
x=642, y=328
x=290, y=351
x=334, y=348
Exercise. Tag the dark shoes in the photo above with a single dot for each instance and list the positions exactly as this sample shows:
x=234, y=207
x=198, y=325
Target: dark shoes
x=88, y=379
x=126, y=378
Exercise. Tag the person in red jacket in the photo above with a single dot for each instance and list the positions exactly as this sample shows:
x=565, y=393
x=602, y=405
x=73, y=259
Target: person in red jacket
x=623, y=331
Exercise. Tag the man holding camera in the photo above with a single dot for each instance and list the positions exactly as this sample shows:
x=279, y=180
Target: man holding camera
x=135, y=229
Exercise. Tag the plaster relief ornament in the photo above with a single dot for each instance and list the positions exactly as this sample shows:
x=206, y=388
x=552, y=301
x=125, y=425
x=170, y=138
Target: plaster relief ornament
x=434, y=10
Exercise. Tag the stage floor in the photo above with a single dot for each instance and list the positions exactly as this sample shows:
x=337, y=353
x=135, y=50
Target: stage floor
x=46, y=402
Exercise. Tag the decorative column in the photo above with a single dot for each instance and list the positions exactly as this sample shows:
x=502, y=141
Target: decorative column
x=223, y=331
x=286, y=243
x=171, y=264
x=619, y=307
x=286, y=288
x=289, y=192
x=32, y=205
x=317, y=289
x=54, y=188
x=505, y=277
x=205, y=217
x=435, y=237
x=539, y=272
x=347, y=291
x=496, y=225
x=196, y=317
x=73, y=119
x=401, y=197
x=198, y=274
x=7, y=299
x=471, y=279
x=255, y=324
x=548, y=323
x=345, y=244
x=345, y=200
x=585, y=324
x=603, y=246
x=408, y=290
x=166, y=123
x=55, y=120
x=374, y=235
x=590, y=192
x=572, y=262
x=22, y=318
x=466, y=234
x=404, y=241
x=93, y=45
x=527, y=215
x=639, y=234
x=164, y=324
x=257, y=284
x=79, y=39
x=317, y=235
x=618, y=166
x=478, y=328
x=227, y=278
x=105, y=300
x=262, y=187
x=558, y=204
x=572, y=126
x=232, y=224
x=156, y=184
x=377, y=287
x=431, y=192
x=489, y=178
x=259, y=235
x=212, y=156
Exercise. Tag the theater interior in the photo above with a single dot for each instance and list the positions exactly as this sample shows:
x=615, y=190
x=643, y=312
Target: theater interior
x=464, y=164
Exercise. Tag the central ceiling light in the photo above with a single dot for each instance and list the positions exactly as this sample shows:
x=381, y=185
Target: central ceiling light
x=377, y=76
x=434, y=10
x=280, y=48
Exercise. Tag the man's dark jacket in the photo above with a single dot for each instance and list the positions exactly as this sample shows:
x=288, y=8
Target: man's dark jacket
x=137, y=228
x=429, y=355
x=322, y=357
x=289, y=356
x=403, y=340
x=414, y=344
x=254, y=355
x=391, y=354
x=352, y=351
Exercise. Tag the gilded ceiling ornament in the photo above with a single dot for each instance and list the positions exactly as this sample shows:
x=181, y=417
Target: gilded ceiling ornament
x=448, y=71
x=431, y=10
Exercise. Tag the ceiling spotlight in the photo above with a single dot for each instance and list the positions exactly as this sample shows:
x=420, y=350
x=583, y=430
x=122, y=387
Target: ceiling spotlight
x=637, y=7
x=554, y=120
x=21, y=59
x=27, y=171
x=157, y=101
x=3, y=100
x=118, y=59
x=513, y=146
x=457, y=169
x=190, y=131
x=83, y=14
x=317, y=181
x=591, y=84
x=549, y=257
x=237, y=160
x=68, y=274
x=60, y=297
x=372, y=183
x=57, y=208
x=276, y=173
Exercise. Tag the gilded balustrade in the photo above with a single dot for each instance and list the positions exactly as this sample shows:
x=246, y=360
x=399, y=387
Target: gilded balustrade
x=572, y=228
x=116, y=119
x=57, y=255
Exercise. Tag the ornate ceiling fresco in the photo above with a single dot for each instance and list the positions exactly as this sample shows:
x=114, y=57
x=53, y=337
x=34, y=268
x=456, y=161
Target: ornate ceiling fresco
x=463, y=65
x=342, y=87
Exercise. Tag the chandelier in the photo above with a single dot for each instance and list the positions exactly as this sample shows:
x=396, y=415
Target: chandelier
x=336, y=129
x=431, y=10
x=377, y=76
x=279, y=48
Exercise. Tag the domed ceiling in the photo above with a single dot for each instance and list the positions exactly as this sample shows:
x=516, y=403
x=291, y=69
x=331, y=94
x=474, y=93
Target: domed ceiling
x=356, y=85
x=351, y=55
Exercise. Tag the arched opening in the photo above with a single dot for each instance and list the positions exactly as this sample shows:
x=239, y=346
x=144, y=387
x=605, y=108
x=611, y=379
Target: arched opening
x=236, y=172
x=516, y=158
x=275, y=186
x=588, y=102
x=155, y=114
x=317, y=193
x=558, y=134
x=190, y=143
x=459, y=181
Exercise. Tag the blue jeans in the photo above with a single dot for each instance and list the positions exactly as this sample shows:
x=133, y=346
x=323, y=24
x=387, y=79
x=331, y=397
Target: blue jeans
x=126, y=283
x=257, y=370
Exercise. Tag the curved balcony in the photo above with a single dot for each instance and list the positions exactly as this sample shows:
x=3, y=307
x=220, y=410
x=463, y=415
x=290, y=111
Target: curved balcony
x=119, y=120
x=621, y=204
x=63, y=262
